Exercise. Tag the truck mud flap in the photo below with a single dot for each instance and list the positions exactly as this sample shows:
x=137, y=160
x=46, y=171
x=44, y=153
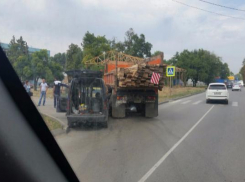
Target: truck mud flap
x=118, y=111
x=151, y=110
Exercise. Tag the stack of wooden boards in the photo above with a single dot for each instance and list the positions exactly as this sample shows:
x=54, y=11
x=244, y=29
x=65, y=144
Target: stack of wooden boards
x=139, y=75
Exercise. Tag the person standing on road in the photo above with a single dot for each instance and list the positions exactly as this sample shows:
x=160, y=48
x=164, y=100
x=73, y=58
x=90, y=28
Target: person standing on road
x=56, y=91
x=43, y=90
x=28, y=88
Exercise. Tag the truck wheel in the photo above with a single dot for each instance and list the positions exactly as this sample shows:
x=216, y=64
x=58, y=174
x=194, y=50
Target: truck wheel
x=151, y=110
x=118, y=111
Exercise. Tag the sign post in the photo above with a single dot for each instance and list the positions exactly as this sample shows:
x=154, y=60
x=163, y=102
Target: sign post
x=170, y=72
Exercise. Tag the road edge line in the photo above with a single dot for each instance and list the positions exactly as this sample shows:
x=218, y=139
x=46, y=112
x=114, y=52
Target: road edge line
x=174, y=99
x=149, y=173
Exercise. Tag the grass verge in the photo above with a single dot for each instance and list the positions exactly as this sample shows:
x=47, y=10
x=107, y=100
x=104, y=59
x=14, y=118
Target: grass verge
x=177, y=92
x=49, y=93
x=51, y=123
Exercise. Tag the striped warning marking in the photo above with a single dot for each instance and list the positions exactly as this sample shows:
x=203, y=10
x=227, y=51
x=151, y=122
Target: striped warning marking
x=155, y=78
x=235, y=104
x=186, y=102
x=197, y=102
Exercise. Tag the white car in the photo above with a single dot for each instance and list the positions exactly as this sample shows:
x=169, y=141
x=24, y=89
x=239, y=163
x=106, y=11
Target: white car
x=236, y=87
x=217, y=91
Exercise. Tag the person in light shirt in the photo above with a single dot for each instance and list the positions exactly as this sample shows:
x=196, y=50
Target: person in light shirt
x=43, y=91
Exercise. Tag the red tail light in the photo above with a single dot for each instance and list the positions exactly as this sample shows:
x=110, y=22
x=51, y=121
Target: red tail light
x=68, y=105
x=156, y=91
x=120, y=97
x=151, y=98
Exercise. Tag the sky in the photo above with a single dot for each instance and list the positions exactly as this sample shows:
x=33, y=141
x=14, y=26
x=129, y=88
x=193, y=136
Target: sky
x=169, y=26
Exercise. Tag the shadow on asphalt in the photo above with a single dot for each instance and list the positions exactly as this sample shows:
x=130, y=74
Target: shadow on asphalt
x=217, y=102
x=113, y=123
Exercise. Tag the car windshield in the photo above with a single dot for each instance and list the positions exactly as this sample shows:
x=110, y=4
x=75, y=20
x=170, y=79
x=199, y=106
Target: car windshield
x=217, y=87
x=151, y=86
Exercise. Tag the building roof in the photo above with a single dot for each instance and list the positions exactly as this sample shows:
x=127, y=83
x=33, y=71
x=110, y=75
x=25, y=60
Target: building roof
x=30, y=49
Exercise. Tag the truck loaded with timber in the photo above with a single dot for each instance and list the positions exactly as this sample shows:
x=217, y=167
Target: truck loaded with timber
x=134, y=87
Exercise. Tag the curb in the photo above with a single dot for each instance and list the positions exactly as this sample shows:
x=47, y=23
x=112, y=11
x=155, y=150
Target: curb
x=181, y=97
x=59, y=130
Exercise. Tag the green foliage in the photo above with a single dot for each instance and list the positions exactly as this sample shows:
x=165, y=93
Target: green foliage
x=17, y=48
x=74, y=57
x=118, y=46
x=239, y=76
x=243, y=62
x=60, y=58
x=94, y=46
x=34, y=66
x=136, y=45
x=133, y=45
x=156, y=53
x=225, y=71
x=201, y=65
x=242, y=72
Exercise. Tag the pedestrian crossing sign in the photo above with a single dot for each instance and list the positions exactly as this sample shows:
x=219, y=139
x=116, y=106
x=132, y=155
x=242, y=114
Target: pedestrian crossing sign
x=170, y=71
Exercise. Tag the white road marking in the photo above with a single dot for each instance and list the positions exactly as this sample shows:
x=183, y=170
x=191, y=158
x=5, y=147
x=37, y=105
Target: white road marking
x=176, y=101
x=197, y=102
x=149, y=173
x=186, y=102
x=235, y=104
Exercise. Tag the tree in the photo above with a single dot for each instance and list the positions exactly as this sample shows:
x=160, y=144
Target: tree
x=225, y=71
x=60, y=58
x=17, y=48
x=133, y=45
x=117, y=46
x=201, y=65
x=136, y=45
x=238, y=76
x=74, y=57
x=19, y=56
x=243, y=62
x=94, y=46
x=156, y=53
x=39, y=66
x=242, y=72
x=173, y=60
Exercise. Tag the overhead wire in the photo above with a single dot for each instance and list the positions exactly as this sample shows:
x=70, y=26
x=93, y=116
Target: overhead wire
x=222, y=6
x=234, y=17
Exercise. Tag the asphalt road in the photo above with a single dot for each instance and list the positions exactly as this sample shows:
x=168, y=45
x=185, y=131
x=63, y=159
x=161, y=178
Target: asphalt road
x=189, y=141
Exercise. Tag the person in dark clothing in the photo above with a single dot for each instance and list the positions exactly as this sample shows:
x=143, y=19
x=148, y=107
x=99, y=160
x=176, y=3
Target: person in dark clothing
x=56, y=91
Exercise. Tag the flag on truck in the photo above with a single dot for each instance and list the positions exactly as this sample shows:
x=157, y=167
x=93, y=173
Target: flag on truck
x=155, y=78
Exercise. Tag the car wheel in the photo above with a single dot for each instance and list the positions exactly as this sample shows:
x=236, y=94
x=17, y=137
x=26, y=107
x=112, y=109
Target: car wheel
x=207, y=101
x=226, y=102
